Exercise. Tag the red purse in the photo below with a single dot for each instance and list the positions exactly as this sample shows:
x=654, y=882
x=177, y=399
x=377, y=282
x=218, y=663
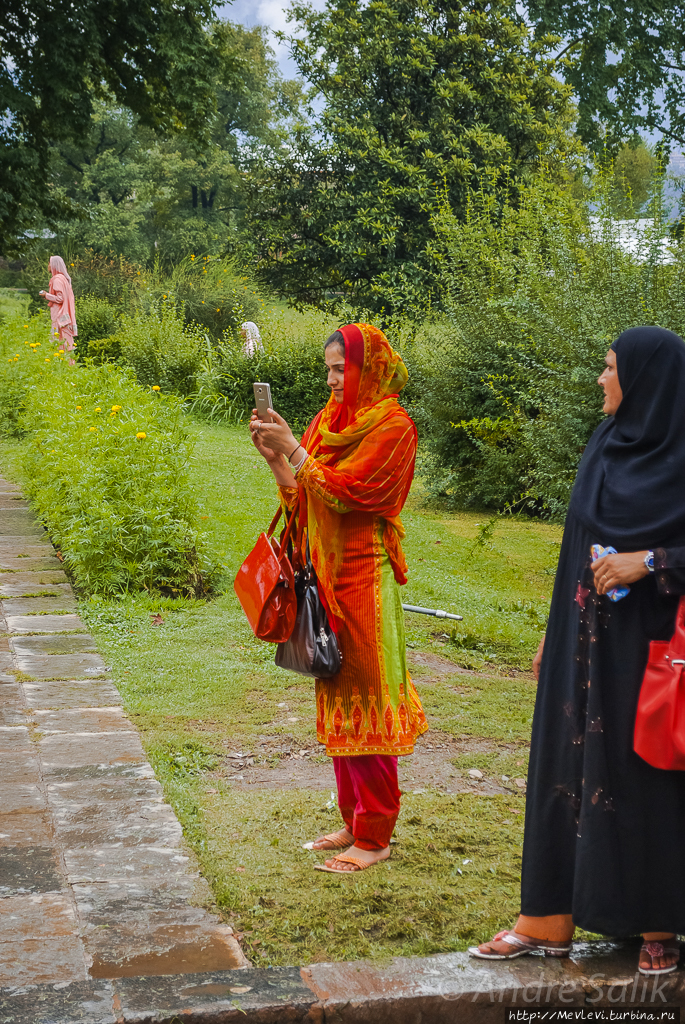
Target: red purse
x=265, y=585
x=659, y=736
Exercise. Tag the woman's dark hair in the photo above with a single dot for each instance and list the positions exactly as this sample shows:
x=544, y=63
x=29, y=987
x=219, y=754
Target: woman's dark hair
x=336, y=338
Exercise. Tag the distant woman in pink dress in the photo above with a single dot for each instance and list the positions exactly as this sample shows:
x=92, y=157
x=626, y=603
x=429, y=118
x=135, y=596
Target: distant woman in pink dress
x=60, y=298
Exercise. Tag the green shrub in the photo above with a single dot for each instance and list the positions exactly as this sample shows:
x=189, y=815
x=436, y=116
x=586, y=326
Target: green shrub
x=161, y=348
x=292, y=362
x=106, y=469
x=112, y=278
x=212, y=292
x=504, y=385
x=97, y=319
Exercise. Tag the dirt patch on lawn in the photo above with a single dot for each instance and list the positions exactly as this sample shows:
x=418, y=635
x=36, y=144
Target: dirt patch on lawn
x=275, y=762
x=427, y=667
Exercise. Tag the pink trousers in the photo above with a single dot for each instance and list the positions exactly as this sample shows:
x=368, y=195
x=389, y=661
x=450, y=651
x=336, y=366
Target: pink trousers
x=368, y=797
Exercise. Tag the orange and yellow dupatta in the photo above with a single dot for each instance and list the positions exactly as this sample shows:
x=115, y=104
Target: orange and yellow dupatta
x=363, y=454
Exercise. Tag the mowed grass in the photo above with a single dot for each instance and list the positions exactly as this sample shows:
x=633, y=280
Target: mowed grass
x=200, y=686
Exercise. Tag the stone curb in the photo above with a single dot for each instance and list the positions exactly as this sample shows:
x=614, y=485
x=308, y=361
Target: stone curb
x=419, y=990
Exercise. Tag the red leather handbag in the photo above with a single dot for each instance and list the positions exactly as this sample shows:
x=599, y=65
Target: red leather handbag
x=659, y=736
x=265, y=585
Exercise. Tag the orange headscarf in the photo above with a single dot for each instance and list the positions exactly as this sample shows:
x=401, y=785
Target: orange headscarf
x=363, y=453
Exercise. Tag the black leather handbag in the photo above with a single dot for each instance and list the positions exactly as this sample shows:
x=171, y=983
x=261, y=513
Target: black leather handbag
x=312, y=648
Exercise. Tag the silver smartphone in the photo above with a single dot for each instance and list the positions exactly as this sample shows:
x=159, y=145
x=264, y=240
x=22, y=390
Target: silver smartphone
x=262, y=401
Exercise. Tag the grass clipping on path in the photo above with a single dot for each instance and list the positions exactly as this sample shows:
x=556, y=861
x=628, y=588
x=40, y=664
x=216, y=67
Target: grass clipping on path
x=105, y=464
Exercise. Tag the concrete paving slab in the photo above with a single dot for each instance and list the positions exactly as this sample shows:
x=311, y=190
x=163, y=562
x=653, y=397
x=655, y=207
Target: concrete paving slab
x=131, y=926
x=26, y=830
x=15, y=738
x=72, y=749
x=30, y=546
x=110, y=862
x=22, y=768
x=16, y=584
x=21, y=799
x=39, y=941
x=100, y=773
x=16, y=523
x=79, y=643
x=71, y=693
x=45, y=623
x=12, y=707
x=89, y=1002
x=60, y=666
x=14, y=587
x=123, y=822
x=104, y=789
x=26, y=870
x=61, y=602
x=82, y=720
x=267, y=997
x=22, y=563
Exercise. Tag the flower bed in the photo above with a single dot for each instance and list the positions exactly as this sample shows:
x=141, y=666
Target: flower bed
x=105, y=466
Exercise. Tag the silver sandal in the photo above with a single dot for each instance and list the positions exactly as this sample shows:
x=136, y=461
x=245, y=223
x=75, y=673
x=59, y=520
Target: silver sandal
x=654, y=951
x=521, y=945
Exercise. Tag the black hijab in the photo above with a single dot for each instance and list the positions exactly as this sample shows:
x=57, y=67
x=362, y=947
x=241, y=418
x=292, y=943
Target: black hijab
x=630, y=488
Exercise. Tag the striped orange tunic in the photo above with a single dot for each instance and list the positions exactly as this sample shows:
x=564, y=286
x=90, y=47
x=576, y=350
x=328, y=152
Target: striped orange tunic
x=356, y=482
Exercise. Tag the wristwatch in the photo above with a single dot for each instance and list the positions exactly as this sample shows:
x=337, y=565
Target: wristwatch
x=649, y=560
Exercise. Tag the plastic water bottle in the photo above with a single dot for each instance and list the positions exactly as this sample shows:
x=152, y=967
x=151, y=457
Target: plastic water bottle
x=597, y=551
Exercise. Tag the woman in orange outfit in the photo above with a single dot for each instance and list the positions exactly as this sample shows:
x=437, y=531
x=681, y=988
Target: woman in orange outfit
x=354, y=468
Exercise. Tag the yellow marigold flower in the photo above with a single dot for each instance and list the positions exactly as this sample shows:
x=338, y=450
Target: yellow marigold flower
x=92, y=428
x=141, y=436
x=116, y=408
x=25, y=325
x=155, y=387
x=26, y=342
x=47, y=360
x=61, y=352
x=98, y=409
x=78, y=408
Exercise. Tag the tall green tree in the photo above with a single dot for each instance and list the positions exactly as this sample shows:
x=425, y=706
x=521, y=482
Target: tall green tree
x=57, y=58
x=141, y=194
x=411, y=100
x=626, y=62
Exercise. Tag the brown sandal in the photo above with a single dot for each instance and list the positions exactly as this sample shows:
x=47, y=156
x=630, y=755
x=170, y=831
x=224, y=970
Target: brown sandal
x=520, y=946
x=347, y=858
x=334, y=841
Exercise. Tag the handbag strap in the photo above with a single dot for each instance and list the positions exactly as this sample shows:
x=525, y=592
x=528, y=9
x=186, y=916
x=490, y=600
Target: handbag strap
x=283, y=548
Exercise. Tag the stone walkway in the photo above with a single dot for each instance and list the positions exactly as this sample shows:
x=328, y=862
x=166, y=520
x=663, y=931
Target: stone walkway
x=94, y=880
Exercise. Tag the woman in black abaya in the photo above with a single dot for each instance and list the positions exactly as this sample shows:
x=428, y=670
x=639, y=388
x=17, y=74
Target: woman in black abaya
x=604, y=845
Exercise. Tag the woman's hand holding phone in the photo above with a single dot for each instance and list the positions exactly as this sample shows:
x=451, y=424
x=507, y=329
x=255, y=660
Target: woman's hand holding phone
x=258, y=441
x=276, y=437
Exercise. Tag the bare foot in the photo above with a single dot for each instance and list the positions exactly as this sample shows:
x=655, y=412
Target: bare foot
x=369, y=856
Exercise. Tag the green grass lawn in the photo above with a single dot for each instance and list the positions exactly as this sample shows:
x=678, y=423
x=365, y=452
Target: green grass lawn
x=201, y=688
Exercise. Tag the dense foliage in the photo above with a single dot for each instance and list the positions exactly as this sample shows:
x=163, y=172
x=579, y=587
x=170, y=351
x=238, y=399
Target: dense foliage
x=505, y=384
x=416, y=97
x=153, y=195
x=58, y=58
x=105, y=465
x=625, y=61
